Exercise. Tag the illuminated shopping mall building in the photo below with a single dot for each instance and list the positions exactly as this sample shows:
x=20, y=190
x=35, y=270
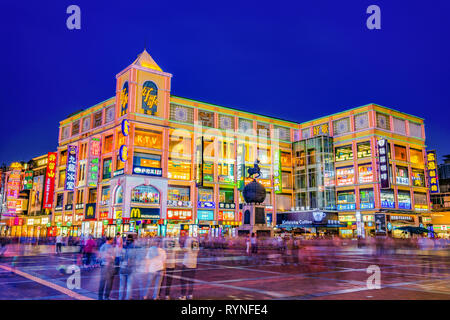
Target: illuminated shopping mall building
x=143, y=173
x=148, y=178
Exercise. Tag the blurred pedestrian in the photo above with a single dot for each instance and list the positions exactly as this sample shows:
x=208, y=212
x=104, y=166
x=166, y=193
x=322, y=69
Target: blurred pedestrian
x=191, y=249
x=156, y=258
x=127, y=268
x=106, y=256
x=59, y=242
x=171, y=247
x=88, y=251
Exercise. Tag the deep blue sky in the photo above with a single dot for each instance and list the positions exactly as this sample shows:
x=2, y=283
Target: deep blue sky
x=296, y=60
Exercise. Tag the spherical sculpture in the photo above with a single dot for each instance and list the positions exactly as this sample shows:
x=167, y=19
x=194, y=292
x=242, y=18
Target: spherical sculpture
x=254, y=192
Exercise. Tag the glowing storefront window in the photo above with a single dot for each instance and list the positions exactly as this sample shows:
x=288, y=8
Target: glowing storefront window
x=345, y=176
x=404, y=200
x=364, y=150
x=226, y=150
x=226, y=172
x=178, y=194
x=344, y=153
x=387, y=199
x=145, y=194
x=416, y=156
x=367, y=199
x=146, y=160
x=402, y=175
x=365, y=173
x=208, y=171
x=108, y=144
x=400, y=153
x=148, y=139
x=263, y=154
x=418, y=177
x=105, y=195
x=179, y=170
x=208, y=148
x=205, y=194
x=180, y=146
x=286, y=160
x=107, y=166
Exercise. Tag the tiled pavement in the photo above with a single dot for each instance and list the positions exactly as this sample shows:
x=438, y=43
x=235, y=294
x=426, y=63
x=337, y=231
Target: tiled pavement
x=322, y=273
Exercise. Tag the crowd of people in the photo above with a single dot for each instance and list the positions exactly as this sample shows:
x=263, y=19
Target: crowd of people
x=142, y=265
x=145, y=264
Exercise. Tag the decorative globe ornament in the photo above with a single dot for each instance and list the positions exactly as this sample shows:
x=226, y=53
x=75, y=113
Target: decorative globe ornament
x=254, y=192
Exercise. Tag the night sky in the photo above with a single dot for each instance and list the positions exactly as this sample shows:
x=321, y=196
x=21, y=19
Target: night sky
x=296, y=60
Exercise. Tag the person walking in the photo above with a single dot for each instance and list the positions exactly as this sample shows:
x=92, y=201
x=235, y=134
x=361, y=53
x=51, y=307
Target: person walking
x=191, y=249
x=171, y=247
x=156, y=258
x=59, y=242
x=106, y=255
x=254, y=243
x=88, y=250
x=127, y=268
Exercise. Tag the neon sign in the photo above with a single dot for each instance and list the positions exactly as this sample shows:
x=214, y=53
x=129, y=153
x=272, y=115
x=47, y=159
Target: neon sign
x=50, y=180
x=149, y=97
x=71, y=168
x=124, y=99
x=432, y=171
x=94, y=162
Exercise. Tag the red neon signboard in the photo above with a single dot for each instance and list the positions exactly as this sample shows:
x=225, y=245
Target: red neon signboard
x=50, y=180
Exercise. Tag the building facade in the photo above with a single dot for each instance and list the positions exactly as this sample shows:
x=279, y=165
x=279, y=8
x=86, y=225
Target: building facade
x=360, y=195
x=150, y=162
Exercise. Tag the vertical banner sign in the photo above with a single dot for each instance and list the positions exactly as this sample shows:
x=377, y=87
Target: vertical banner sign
x=13, y=187
x=359, y=225
x=94, y=162
x=240, y=172
x=28, y=180
x=277, y=185
x=199, y=158
x=71, y=168
x=432, y=171
x=49, y=180
x=123, y=151
x=383, y=163
x=124, y=99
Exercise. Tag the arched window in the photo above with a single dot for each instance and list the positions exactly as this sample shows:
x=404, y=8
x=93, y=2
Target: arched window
x=118, y=199
x=145, y=194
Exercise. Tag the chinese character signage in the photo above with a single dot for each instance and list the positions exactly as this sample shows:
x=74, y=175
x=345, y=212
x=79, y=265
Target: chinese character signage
x=432, y=171
x=71, y=168
x=149, y=97
x=49, y=180
x=240, y=172
x=277, y=171
x=124, y=99
x=321, y=130
x=383, y=163
x=176, y=214
x=13, y=187
x=94, y=162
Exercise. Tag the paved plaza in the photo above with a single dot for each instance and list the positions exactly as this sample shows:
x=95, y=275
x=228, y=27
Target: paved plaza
x=320, y=273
